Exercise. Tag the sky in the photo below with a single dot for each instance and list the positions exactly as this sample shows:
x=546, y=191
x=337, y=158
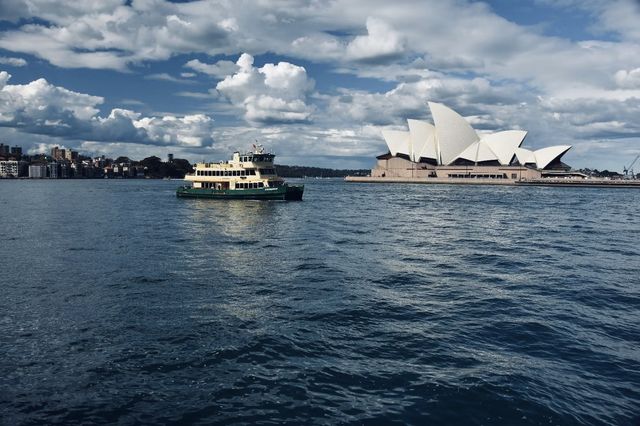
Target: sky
x=315, y=81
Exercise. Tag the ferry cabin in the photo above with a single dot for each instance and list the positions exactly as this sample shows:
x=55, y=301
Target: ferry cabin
x=243, y=171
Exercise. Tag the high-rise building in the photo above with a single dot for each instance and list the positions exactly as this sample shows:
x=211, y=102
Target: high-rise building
x=170, y=157
x=58, y=153
x=4, y=150
x=16, y=151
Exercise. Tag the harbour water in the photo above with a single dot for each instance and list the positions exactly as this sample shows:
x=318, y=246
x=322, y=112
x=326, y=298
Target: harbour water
x=364, y=303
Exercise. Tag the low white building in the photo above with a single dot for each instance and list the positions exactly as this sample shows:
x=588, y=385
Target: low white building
x=9, y=169
x=38, y=171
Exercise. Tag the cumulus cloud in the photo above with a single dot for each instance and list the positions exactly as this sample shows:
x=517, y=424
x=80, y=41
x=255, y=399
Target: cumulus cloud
x=382, y=43
x=114, y=34
x=628, y=79
x=409, y=99
x=450, y=33
x=42, y=108
x=274, y=93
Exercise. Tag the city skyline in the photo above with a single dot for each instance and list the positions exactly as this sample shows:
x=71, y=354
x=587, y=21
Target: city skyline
x=316, y=82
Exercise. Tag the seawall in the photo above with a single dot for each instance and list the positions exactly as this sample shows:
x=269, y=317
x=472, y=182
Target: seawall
x=584, y=183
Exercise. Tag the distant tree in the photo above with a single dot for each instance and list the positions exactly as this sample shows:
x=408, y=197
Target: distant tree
x=156, y=168
x=123, y=159
x=304, y=171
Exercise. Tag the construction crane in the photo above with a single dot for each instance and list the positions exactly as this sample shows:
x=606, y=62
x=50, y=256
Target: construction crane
x=628, y=171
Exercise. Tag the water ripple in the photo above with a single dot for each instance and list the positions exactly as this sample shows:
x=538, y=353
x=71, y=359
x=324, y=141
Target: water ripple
x=363, y=304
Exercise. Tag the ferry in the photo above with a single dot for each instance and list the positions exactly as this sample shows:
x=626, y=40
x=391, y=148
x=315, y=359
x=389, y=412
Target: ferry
x=248, y=176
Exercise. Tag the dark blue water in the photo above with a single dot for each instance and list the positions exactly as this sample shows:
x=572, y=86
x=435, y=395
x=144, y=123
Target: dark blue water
x=370, y=304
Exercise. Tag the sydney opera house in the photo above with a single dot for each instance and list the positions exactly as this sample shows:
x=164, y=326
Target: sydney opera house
x=451, y=149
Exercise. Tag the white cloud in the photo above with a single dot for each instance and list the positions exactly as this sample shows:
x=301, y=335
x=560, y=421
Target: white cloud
x=381, y=43
x=220, y=69
x=628, y=79
x=14, y=62
x=449, y=33
x=274, y=93
x=114, y=35
x=167, y=77
x=42, y=108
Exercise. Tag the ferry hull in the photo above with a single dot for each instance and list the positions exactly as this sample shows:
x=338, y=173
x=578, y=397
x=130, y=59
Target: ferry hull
x=284, y=192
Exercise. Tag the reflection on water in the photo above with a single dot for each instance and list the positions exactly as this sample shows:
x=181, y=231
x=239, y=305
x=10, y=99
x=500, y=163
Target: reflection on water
x=237, y=236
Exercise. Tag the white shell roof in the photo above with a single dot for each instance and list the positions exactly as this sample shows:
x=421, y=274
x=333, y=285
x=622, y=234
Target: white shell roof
x=545, y=156
x=525, y=156
x=452, y=138
x=397, y=141
x=453, y=132
x=423, y=140
x=478, y=152
x=504, y=144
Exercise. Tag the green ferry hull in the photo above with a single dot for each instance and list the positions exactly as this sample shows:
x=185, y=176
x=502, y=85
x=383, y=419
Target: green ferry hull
x=284, y=192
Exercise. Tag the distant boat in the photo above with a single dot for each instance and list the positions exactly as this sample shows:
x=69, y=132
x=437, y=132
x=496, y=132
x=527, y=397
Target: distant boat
x=248, y=176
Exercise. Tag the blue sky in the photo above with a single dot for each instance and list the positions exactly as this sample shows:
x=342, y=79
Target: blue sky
x=316, y=80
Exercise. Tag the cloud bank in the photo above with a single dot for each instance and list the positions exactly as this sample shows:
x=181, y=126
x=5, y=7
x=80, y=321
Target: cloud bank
x=44, y=109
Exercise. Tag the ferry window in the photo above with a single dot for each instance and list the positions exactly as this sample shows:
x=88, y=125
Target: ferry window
x=260, y=185
x=226, y=172
x=514, y=175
